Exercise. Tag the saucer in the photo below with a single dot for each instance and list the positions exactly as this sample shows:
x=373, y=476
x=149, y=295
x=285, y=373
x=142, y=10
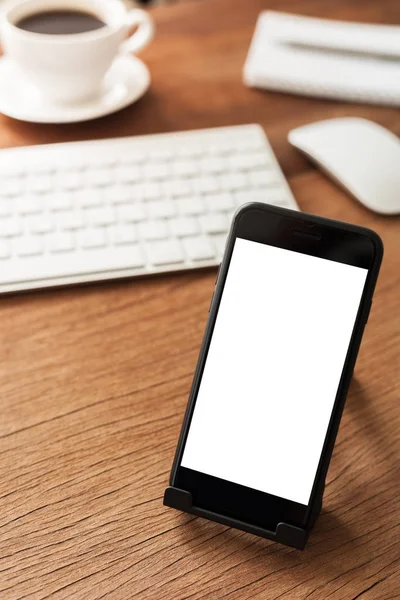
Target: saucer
x=126, y=81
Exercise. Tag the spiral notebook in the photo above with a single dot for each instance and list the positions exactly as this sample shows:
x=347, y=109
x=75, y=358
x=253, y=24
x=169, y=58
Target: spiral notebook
x=319, y=57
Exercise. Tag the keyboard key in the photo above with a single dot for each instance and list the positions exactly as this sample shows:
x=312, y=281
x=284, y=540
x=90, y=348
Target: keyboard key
x=11, y=187
x=60, y=201
x=220, y=201
x=6, y=207
x=148, y=190
x=161, y=208
x=129, y=256
x=77, y=161
x=219, y=241
x=92, y=238
x=230, y=214
x=176, y=187
x=265, y=177
x=40, y=184
x=153, y=230
x=130, y=156
x=251, y=160
x=204, y=185
x=39, y=224
x=87, y=198
x=198, y=248
x=216, y=223
x=28, y=246
x=278, y=196
x=71, y=220
x=119, y=194
x=98, y=177
x=26, y=205
x=102, y=159
x=70, y=180
x=191, y=149
x=251, y=195
x=213, y=165
x=161, y=153
x=123, y=234
x=76, y=265
x=10, y=171
x=165, y=252
x=10, y=227
x=156, y=171
x=40, y=168
x=104, y=215
x=183, y=226
x=128, y=173
x=131, y=213
x=137, y=192
x=5, y=249
x=190, y=205
x=234, y=181
x=185, y=168
x=252, y=143
x=62, y=241
x=220, y=149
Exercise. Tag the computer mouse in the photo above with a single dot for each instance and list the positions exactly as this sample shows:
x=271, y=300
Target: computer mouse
x=359, y=155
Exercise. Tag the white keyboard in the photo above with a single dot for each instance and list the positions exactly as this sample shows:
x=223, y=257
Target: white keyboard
x=86, y=211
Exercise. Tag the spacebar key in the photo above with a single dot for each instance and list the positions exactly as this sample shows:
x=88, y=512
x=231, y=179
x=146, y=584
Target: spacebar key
x=72, y=264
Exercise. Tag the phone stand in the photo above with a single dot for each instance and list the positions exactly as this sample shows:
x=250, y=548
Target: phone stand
x=290, y=535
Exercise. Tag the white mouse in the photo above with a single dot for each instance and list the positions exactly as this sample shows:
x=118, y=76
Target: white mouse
x=359, y=155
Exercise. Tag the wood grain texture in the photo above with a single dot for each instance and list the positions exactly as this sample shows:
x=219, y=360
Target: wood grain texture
x=94, y=380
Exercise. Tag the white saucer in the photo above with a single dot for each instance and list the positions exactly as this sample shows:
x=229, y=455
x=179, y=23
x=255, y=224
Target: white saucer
x=126, y=81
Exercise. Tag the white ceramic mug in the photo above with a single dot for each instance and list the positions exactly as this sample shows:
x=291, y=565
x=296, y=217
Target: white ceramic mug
x=70, y=68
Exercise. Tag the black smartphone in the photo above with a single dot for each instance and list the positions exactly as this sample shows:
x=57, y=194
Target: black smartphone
x=286, y=320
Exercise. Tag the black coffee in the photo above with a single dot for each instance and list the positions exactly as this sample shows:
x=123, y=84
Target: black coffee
x=60, y=22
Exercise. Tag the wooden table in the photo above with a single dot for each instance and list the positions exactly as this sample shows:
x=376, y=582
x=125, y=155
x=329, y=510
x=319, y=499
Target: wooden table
x=94, y=380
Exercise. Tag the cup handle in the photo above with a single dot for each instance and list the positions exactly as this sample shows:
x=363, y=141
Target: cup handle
x=144, y=33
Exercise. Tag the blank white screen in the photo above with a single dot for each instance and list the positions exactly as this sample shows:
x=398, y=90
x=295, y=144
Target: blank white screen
x=276, y=356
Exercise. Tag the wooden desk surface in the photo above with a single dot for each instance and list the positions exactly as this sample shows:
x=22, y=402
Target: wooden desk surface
x=94, y=380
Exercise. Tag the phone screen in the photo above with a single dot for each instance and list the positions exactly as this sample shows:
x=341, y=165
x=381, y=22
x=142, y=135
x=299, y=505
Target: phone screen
x=273, y=368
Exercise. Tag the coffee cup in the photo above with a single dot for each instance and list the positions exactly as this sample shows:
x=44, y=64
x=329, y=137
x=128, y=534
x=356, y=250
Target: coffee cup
x=65, y=47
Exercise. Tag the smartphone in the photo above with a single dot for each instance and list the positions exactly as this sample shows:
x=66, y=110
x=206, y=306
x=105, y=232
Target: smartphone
x=286, y=320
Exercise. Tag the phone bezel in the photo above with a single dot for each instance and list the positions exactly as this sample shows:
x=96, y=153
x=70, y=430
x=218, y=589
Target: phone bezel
x=307, y=234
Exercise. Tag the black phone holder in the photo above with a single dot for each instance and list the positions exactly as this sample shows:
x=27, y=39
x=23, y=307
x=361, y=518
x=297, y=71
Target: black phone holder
x=287, y=534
